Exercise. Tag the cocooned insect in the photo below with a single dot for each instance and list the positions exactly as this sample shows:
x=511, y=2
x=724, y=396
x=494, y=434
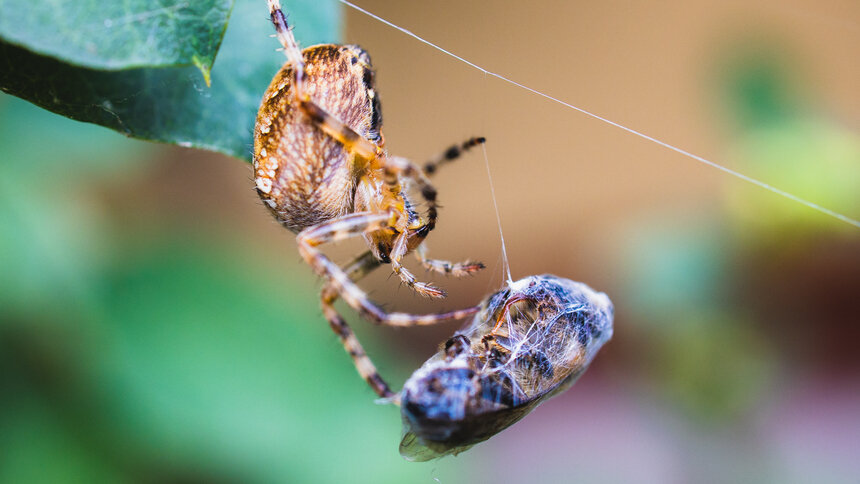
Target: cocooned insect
x=529, y=342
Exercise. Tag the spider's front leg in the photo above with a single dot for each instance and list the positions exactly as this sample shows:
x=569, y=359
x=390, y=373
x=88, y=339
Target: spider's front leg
x=450, y=154
x=456, y=269
x=350, y=226
x=398, y=250
x=290, y=46
x=395, y=168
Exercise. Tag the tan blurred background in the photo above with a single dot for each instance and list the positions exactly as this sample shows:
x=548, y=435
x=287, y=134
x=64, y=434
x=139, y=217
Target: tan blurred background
x=736, y=310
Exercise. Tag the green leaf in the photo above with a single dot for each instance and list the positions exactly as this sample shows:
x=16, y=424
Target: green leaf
x=118, y=35
x=171, y=104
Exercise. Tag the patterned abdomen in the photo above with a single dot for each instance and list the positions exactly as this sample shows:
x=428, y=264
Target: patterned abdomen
x=302, y=174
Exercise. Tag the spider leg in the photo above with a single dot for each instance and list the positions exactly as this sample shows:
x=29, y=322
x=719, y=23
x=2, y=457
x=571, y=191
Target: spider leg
x=398, y=250
x=395, y=168
x=349, y=226
x=451, y=154
x=332, y=126
x=456, y=269
x=348, y=137
x=358, y=268
x=288, y=41
x=362, y=266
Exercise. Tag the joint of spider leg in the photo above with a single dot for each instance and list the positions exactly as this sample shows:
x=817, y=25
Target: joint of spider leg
x=452, y=152
x=429, y=193
x=394, y=216
x=424, y=230
x=357, y=353
x=377, y=383
x=431, y=224
x=371, y=314
x=312, y=110
x=339, y=326
x=391, y=179
x=328, y=295
x=280, y=21
x=384, y=252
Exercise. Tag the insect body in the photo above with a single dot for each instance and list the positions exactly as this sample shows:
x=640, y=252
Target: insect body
x=320, y=167
x=530, y=341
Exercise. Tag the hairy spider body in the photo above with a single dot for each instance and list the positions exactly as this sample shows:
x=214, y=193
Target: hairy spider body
x=321, y=168
x=305, y=176
x=530, y=341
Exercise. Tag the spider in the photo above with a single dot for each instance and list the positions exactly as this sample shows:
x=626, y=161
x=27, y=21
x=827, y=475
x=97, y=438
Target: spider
x=530, y=341
x=321, y=169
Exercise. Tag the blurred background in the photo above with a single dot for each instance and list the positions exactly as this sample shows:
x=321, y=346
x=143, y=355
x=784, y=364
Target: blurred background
x=157, y=325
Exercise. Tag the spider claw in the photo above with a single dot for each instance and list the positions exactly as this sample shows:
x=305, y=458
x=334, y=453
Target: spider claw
x=429, y=290
x=393, y=399
x=459, y=269
x=469, y=267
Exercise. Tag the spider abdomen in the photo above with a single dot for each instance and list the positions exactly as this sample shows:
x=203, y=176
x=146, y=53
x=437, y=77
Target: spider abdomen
x=302, y=174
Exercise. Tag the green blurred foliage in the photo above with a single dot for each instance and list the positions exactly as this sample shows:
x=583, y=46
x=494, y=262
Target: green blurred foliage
x=783, y=140
x=817, y=159
x=674, y=264
x=758, y=86
x=715, y=365
x=51, y=245
x=700, y=311
x=704, y=353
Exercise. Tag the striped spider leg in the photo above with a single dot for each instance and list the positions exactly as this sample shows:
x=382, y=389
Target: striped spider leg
x=340, y=284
